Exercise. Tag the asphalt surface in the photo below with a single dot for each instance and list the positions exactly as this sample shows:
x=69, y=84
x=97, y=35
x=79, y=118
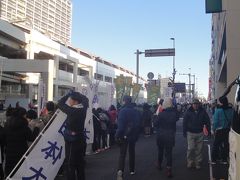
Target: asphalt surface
x=103, y=166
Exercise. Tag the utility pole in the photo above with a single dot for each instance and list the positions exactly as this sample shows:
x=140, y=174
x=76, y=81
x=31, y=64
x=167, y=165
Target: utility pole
x=193, y=85
x=137, y=64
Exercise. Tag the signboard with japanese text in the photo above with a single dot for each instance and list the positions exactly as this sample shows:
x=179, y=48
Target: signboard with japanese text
x=46, y=155
x=180, y=87
x=88, y=89
x=159, y=52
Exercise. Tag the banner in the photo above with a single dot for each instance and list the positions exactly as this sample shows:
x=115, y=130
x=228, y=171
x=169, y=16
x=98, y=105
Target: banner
x=46, y=155
x=234, y=155
x=87, y=89
x=135, y=91
x=128, y=85
x=153, y=94
x=120, y=88
x=109, y=95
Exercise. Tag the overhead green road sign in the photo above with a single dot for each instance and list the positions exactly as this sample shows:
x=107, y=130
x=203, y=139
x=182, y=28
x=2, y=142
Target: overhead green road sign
x=213, y=6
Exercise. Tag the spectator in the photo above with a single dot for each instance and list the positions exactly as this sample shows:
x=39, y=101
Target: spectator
x=16, y=135
x=50, y=107
x=193, y=122
x=222, y=120
x=97, y=131
x=166, y=129
x=127, y=135
x=147, y=119
x=104, y=121
x=113, y=124
x=33, y=121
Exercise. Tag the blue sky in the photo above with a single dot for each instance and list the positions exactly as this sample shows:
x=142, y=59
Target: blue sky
x=114, y=30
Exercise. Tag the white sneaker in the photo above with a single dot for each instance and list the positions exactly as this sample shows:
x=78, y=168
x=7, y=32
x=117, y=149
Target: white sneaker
x=119, y=175
x=132, y=173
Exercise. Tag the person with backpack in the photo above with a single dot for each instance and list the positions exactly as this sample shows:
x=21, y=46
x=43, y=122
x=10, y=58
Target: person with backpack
x=104, y=122
x=222, y=120
x=127, y=135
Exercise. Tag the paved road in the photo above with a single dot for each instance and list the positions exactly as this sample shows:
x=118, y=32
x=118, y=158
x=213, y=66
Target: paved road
x=103, y=166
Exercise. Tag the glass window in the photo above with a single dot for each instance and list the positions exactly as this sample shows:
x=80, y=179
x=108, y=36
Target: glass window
x=82, y=72
x=98, y=76
x=108, y=79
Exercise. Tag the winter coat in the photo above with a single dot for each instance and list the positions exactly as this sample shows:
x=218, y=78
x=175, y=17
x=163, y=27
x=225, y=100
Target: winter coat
x=75, y=117
x=128, y=123
x=147, y=118
x=165, y=125
x=113, y=116
x=194, y=121
x=222, y=118
x=16, y=137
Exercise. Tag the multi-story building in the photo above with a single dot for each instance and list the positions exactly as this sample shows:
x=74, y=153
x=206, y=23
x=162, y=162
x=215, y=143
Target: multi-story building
x=225, y=58
x=26, y=57
x=51, y=17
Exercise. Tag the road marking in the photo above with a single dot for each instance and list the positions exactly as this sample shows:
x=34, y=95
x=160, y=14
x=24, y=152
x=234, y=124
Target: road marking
x=210, y=164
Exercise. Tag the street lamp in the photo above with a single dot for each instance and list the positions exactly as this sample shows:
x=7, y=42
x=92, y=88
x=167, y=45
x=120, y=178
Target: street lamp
x=174, y=70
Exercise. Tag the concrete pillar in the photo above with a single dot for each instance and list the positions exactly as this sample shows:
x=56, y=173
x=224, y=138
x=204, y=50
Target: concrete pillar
x=56, y=76
x=30, y=91
x=75, y=73
x=48, y=80
x=56, y=95
x=56, y=67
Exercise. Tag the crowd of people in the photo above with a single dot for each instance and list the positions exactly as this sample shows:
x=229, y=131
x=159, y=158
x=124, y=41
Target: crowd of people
x=120, y=126
x=18, y=130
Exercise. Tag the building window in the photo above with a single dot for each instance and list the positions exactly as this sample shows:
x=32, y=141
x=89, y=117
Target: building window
x=82, y=72
x=108, y=79
x=62, y=66
x=98, y=76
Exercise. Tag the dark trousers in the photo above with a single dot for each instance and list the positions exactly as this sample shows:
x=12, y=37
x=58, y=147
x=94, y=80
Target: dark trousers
x=123, y=152
x=221, y=145
x=104, y=138
x=167, y=149
x=96, y=141
x=75, y=164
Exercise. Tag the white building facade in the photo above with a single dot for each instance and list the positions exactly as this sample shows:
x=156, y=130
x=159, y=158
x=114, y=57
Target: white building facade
x=28, y=56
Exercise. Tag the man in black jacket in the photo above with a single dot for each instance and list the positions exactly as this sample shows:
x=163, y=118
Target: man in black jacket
x=75, y=106
x=194, y=120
